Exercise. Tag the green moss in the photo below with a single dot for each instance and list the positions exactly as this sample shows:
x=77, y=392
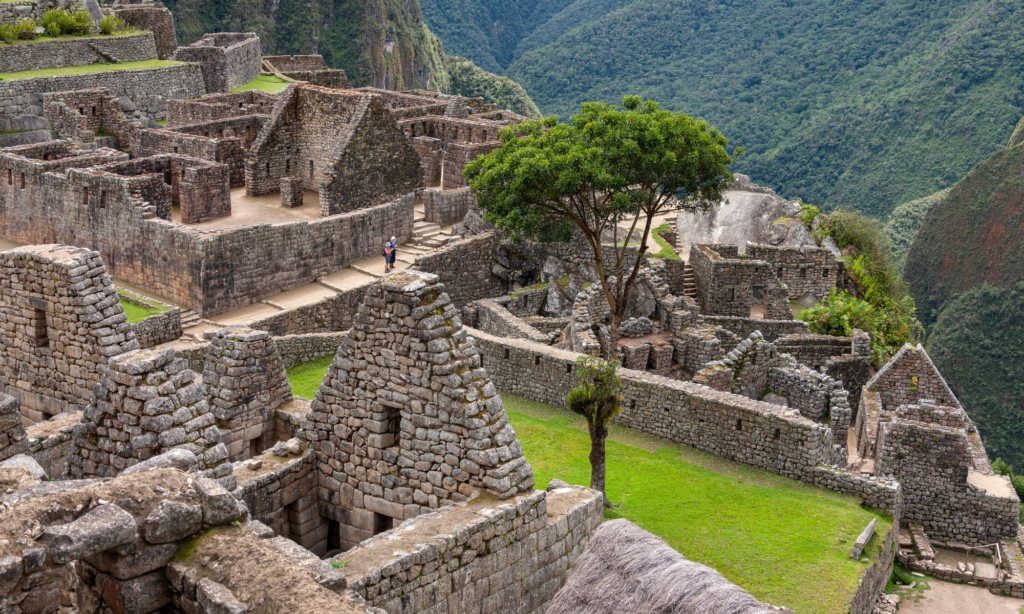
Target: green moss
x=82, y=70
x=533, y=287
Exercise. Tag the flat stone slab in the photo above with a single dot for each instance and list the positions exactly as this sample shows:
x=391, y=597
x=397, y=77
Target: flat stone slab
x=985, y=570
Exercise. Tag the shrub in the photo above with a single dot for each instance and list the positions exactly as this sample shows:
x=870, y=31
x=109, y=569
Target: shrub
x=62, y=22
x=1001, y=467
x=838, y=314
x=1018, y=485
x=112, y=24
x=22, y=29
x=808, y=213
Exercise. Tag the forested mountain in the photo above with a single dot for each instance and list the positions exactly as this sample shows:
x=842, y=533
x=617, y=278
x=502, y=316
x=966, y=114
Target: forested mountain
x=383, y=43
x=965, y=268
x=859, y=103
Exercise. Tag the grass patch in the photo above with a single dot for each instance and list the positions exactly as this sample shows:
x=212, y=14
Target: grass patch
x=264, y=83
x=786, y=542
x=533, y=287
x=667, y=251
x=305, y=378
x=83, y=70
x=137, y=313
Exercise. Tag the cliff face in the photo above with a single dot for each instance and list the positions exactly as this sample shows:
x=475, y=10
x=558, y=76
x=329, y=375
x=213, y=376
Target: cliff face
x=973, y=237
x=379, y=43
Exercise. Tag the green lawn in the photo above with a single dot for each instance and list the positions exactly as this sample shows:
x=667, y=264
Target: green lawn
x=265, y=83
x=136, y=313
x=64, y=37
x=81, y=70
x=786, y=542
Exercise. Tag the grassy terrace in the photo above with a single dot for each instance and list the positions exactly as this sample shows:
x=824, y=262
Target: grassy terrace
x=137, y=313
x=264, y=83
x=786, y=542
x=82, y=70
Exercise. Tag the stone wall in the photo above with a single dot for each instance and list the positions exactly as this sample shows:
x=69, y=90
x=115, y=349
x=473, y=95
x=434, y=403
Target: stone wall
x=298, y=349
x=283, y=63
x=156, y=19
x=79, y=116
x=229, y=59
x=908, y=377
x=61, y=322
x=59, y=53
x=227, y=144
x=12, y=433
x=400, y=430
x=51, y=442
x=456, y=157
x=853, y=371
x=495, y=556
x=804, y=270
x=33, y=9
x=932, y=463
x=158, y=328
x=495, y=320
x=145, y=404
x=245, y=382
x=464, y=267
x=447, y=208
x=343, y=144
x=814, y=350
x=728, y=285
x=219, y=106
x=147, y=89
x=879, y=572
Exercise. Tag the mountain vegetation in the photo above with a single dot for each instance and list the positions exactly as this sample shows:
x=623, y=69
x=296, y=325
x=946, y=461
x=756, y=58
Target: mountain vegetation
x=380, y=43
x=904, y=222
x=861, y=104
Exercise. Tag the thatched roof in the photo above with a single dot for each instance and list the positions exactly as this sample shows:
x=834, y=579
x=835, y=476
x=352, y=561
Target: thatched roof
x=628, y=570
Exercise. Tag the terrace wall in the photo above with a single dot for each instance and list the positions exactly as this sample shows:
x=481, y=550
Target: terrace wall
x=78, y=52
x=149, y=89
x=156, y=19
x=465, y=269
x=229, y=59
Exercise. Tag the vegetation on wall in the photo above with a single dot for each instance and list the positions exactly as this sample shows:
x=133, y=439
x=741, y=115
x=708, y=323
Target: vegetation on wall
x=864, y=105
x=879, y=304
x=978, y=344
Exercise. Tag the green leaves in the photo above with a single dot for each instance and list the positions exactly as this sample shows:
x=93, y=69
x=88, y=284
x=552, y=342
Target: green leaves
x=597, y=396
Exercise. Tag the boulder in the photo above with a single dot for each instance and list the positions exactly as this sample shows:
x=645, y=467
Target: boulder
x=23, y=123
x=219, y=506
x=105, y=527
x=27, y=463
x=170, y=521
x=173, y=459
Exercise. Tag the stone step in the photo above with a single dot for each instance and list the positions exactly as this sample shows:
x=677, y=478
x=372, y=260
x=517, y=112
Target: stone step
x=189, y=318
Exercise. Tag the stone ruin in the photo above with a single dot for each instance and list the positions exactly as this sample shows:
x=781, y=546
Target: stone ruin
x=406, y=418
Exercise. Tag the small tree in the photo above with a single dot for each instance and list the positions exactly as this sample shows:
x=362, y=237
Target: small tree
x=597, y=400
x=605, y=167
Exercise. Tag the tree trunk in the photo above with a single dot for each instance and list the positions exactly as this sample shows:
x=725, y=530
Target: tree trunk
x=613, y=337
x=598, y=434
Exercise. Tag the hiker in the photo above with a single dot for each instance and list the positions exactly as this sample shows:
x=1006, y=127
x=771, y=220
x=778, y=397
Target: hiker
x=390, y=249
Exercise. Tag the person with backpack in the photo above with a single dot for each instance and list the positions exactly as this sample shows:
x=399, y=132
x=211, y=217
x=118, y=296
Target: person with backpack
x=390, y=251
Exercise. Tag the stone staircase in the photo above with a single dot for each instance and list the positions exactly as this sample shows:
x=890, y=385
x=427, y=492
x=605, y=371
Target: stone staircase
x=426, y=235
x=189, y=319
x=689, y=282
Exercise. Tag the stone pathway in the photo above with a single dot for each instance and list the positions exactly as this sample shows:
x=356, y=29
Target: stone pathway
x=950, y=598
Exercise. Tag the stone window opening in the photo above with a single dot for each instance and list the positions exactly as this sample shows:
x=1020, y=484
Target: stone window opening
x=103, y=199
x=730, y=295
x=94, y=111
x=536, y=360
x=256, y=446
x=38, y=331
x=23, y=181
x=311, y=169
x=739, y=424
x=287, y=165
x=382, y=523
x=506, y=353
x=85, y=196
x=803, y=272
x=568, y=368
x=10, y=177
x=290, y=521
x=777, y=434
x=333, y=538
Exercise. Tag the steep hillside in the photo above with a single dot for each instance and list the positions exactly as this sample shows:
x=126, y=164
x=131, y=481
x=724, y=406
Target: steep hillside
x=383, y=43
x=905, y=221
x=974, y=236
x=468, y=79
x=865, y=104
x=978, y=343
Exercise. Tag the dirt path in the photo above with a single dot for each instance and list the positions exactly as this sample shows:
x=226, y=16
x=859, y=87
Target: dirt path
x=949, y=598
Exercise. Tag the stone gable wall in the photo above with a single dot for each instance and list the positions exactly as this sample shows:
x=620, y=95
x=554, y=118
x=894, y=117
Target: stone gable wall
x=149, y=89
x=409, y=422
x=447, y=208
x=229, y=59
x=908, y=377
x=61, y=322
x=144, y=405
x=78, y=52
x=245, y=381
x=156, y=19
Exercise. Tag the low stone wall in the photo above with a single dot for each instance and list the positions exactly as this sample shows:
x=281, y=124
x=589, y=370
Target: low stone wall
x=12, y=433
x=147, y=89
x=771, y=329
x=50, y=443
x=814, y=350
x=78, y=52
x=878, y=493
x=496, y=320
x=447, y=208
x=496, y=556
x=297, y=349
x=465, y=269
x=872, y=583
x=157, y=328
x=28, y=137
